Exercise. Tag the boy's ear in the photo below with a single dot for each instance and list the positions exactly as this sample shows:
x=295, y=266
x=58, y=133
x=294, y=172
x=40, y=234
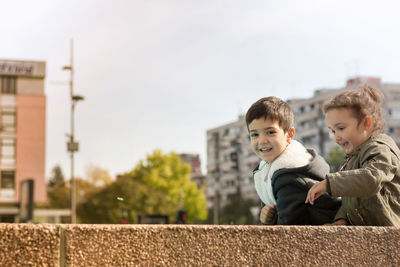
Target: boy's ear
x=291, y=132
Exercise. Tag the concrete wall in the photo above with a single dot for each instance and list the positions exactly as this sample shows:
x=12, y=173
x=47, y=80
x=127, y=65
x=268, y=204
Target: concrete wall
x=197, y=245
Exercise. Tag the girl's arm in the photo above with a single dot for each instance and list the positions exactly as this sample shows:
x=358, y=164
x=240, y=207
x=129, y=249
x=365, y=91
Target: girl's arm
x=379, y=165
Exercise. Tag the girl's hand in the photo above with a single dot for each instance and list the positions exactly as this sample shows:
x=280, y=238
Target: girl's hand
x=268, y=214
x=316, y=191
x=338, y=222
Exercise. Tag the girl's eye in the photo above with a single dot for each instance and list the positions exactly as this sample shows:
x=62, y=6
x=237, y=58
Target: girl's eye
x=252, y=135
x=270, y=132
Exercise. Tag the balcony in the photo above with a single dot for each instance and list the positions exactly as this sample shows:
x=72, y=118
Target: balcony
x=7, y=195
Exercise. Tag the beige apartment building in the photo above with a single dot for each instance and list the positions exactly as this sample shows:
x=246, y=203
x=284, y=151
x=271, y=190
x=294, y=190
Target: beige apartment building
x=22, y=132
x=230, y=160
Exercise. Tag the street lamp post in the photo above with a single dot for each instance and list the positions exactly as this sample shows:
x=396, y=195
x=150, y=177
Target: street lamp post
x=72, y=146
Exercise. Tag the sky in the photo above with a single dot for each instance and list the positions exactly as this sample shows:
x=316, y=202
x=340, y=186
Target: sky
x=157, y=74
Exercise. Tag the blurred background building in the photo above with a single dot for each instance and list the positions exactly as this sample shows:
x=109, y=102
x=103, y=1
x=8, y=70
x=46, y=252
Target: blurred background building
x=22, y=132
x=230, y=160
x=196, y=175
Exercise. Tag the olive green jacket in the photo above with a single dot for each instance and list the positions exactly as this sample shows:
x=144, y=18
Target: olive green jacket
x=369, y=184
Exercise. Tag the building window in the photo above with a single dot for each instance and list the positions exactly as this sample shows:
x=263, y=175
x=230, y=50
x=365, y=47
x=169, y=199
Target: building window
x=226, y=132
x=8, y=85
x=8, y=121
x=7, y=179
x=7, y=148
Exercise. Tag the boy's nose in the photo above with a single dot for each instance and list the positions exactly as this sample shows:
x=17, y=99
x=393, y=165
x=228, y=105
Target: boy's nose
x=263, y=139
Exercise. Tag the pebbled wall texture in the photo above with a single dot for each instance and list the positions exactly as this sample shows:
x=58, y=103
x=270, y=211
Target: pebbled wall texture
x=197, y=245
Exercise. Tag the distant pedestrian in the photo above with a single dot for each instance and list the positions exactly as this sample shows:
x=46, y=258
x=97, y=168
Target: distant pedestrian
x=287, y=170
x=369, y=180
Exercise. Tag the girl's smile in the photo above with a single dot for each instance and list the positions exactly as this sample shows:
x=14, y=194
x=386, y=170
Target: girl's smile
x=348, y=131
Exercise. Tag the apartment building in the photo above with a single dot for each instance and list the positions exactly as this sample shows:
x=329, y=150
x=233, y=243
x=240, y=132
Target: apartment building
x=230, y=160
x=22, y=132
x=196, y=175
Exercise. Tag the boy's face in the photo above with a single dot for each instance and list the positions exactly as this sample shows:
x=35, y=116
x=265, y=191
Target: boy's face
x=348, y=132
x=268, y=140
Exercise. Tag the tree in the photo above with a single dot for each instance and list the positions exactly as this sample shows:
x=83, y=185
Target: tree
x=168, y=175
x=56, y=177
x=97, y=176
x=159, y=185
x=335, y=159
x=237, y=211
x=124, y=195
x=97, y=179
x=58, y=192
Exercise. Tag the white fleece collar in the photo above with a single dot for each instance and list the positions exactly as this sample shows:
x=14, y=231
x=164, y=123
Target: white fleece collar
x=295, y=155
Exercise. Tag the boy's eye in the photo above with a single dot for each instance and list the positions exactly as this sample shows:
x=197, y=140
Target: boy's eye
x=253, y=135
x=270, y=132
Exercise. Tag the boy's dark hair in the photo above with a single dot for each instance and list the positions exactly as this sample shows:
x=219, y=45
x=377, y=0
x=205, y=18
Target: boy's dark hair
x=271, y=108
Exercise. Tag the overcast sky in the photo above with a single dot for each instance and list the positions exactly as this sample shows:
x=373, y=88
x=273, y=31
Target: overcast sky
x=158, y=74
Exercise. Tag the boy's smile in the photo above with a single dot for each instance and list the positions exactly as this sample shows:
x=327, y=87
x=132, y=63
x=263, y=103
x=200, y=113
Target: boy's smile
x=349, y=132
x=268, y=140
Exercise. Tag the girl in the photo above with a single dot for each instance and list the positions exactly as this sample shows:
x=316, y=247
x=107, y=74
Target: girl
x=369, y=180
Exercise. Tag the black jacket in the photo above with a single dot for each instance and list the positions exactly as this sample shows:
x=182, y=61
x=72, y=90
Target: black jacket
x=290, y=187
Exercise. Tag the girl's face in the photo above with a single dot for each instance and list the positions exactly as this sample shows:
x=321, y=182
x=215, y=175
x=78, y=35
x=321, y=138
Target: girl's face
x=349, y=132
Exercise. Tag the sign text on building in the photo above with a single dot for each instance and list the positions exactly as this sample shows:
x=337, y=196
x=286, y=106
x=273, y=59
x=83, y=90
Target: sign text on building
x=16, y=68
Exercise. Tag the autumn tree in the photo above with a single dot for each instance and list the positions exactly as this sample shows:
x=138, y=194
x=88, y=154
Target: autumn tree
x=58, y=190
x=158, y=185
x=168, y=175
x=124, y=195
x=95, y=181
x=98, y=176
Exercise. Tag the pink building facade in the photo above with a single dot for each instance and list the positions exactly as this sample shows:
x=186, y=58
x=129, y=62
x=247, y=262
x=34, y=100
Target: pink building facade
x=22, y=132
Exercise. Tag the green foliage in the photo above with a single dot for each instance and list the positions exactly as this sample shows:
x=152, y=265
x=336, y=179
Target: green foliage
x=56, y=177
x=58, y=193
x=107, y=205
x=170, y=177
x=159, y=185
x=238, y=211
x=336, y=158
x=58, y=196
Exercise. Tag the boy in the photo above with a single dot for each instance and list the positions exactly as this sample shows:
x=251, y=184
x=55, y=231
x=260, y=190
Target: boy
x=287, y=170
